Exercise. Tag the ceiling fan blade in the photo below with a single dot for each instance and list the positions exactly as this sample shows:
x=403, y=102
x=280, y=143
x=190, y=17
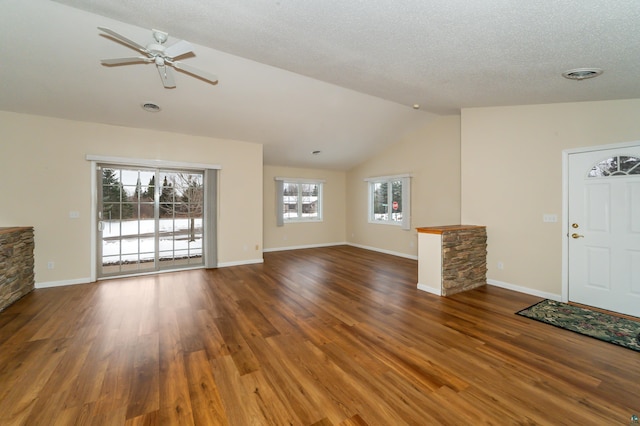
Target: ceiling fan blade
x=166, y=75
x=195, y=71
x=178, y=49
x=122, y=61
x=124, y=40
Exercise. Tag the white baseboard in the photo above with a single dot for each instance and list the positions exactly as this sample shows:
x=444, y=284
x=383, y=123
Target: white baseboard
x=379, y=250
x=496, y=283
x=267, y=250
x=50, y=284
x=436, y=291
x=393, y=253
x=525, y=290
x=239, y=263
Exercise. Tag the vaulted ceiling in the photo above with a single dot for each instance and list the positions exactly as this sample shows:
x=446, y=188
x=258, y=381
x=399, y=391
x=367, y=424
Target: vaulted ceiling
x=341, y=77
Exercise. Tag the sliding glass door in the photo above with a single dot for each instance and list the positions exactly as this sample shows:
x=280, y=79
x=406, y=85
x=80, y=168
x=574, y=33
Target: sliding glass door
x=149, y=219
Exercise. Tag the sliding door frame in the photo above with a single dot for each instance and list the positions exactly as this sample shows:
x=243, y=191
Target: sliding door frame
x=210, y=200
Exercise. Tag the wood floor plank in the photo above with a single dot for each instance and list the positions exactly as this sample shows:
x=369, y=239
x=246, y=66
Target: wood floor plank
x=286, y=386
x=208, y=408
x=329, y=396
x=255, y=317
x=212, y=341
x=240, y=409
x=325, y=336
x=237, y=346
x=145, y=390
x=147, y=419
x=273, y=410
x=175, y=408
x=22, y=384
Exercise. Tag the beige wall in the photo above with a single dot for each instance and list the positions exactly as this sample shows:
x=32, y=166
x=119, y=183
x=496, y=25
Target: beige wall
x=44, y=175
x=332, y=229
x=432, y=156
x=499, y=167
x=512, y=175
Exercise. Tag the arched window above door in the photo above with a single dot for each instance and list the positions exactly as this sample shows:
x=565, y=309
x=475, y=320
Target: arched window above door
x=619, y=165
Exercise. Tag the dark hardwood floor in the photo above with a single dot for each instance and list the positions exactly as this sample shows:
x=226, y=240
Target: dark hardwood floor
x=330, y=336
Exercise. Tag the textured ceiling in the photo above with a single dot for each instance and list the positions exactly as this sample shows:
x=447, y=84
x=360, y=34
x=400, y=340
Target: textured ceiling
x=379, y=57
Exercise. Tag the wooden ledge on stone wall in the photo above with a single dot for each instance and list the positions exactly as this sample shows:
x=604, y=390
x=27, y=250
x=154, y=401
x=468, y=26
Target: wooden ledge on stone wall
x=447, y=228
x=11, y=229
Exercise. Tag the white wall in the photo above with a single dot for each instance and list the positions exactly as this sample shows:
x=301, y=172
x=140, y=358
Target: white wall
x=44, y=175
x=332, y=229
x=512, y=175
x=432, y=156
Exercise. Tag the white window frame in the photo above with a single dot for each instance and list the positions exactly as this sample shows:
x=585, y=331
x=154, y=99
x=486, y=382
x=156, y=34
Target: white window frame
x=406, y=199
x=280, y=182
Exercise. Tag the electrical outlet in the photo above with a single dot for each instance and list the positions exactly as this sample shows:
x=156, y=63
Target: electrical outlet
x=257, y=247
x=51, y=264
x=500, y=265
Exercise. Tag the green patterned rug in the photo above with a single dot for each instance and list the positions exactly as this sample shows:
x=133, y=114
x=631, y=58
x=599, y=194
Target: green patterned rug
x=609, y=328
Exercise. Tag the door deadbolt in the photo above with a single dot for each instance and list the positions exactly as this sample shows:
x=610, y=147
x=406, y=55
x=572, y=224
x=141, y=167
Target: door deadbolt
x=575, y=226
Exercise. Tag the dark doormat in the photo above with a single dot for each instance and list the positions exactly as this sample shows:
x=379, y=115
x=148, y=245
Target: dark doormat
x=609, y=328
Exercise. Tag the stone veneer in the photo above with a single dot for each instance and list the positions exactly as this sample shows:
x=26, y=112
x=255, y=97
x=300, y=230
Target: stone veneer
x=16, y=264
x=464, y=259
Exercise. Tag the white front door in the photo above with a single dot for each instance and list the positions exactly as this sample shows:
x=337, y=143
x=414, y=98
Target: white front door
x=604, y=229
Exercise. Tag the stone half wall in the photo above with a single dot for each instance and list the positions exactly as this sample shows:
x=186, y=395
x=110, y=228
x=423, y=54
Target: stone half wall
x=464, y=260
x=16, y=264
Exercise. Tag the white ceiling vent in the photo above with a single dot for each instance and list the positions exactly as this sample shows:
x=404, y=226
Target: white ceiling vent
x=150, y=107
x=582, y=73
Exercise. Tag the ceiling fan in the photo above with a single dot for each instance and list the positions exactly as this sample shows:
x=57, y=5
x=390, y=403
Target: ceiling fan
x=163, y=57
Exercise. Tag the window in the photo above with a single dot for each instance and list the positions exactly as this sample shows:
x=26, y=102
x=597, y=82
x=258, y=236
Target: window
x=298, y=200
x=620, y=165
x=389, y=200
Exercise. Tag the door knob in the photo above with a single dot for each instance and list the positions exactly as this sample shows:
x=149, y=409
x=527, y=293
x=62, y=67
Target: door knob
x=574, y=235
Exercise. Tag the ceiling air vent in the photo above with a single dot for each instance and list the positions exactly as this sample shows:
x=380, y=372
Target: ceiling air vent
x=150, y=107
x=582, y=73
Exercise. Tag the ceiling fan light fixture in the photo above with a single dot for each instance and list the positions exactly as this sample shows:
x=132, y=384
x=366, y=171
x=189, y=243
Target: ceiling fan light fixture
x=582, y=73
x=160, y=36
x=150, y=107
